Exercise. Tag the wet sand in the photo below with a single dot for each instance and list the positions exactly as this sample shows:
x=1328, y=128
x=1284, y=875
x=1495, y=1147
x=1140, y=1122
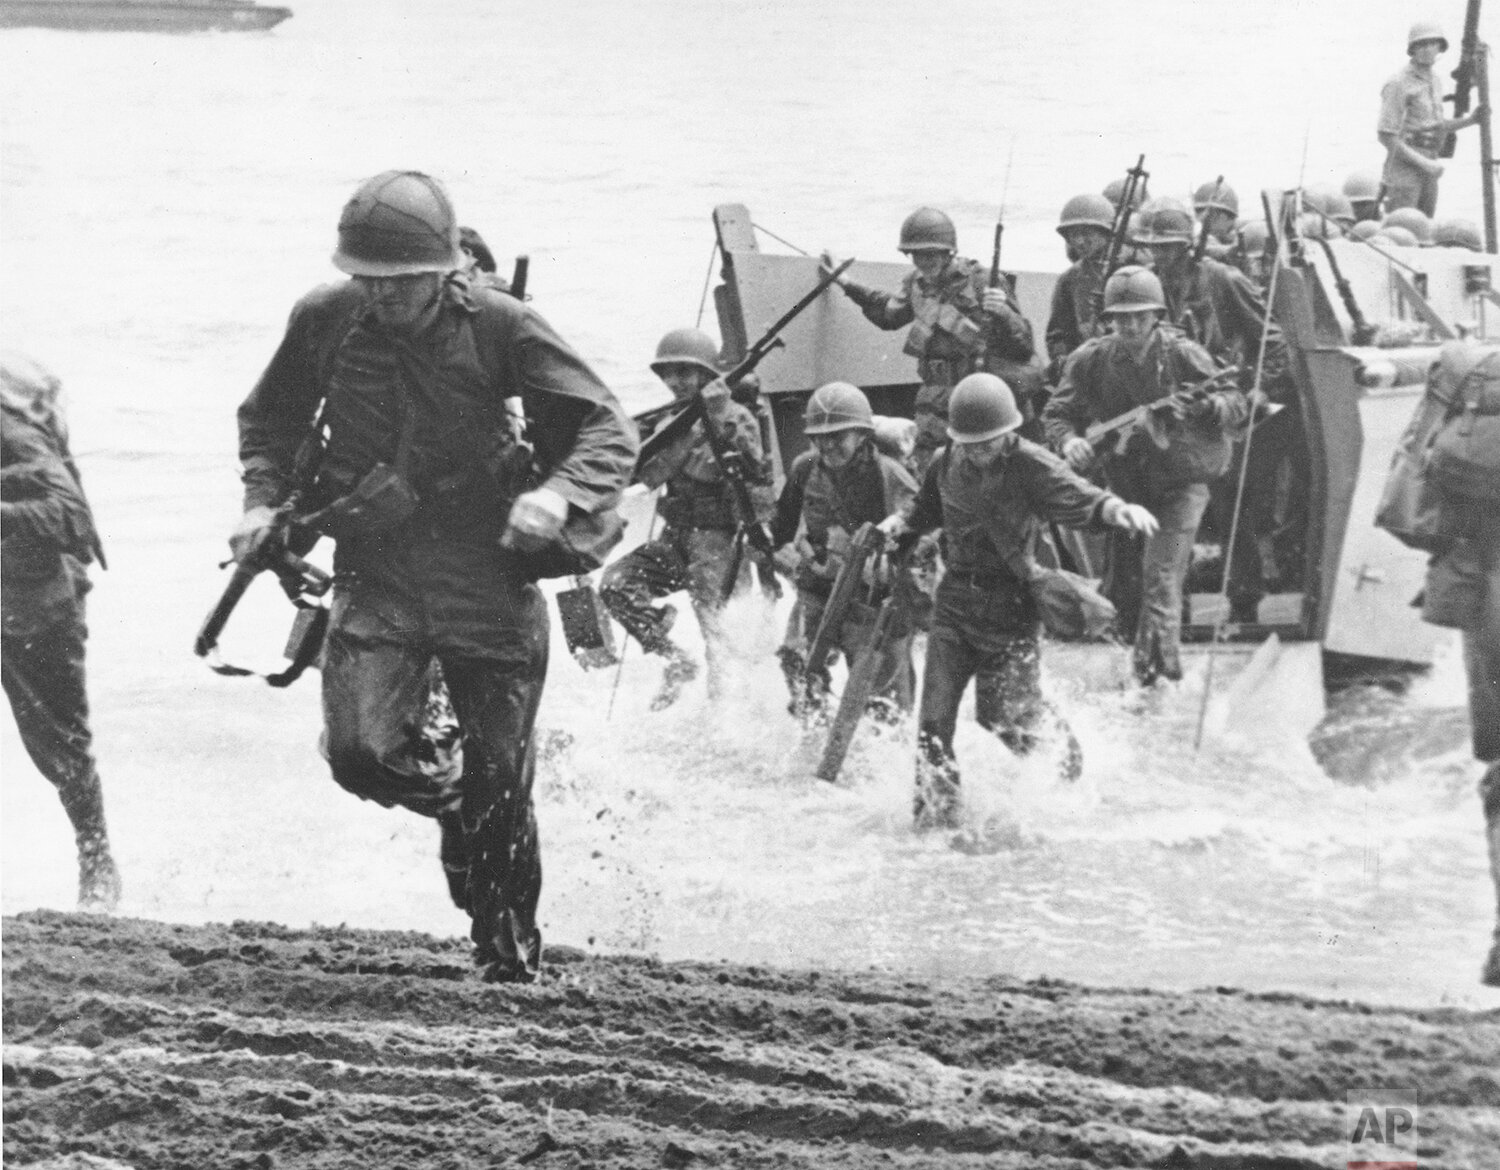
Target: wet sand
x=252, y=1045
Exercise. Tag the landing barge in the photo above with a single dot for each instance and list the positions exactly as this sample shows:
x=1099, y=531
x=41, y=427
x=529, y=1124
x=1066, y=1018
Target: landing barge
x=1357, y=583
x=140, y=15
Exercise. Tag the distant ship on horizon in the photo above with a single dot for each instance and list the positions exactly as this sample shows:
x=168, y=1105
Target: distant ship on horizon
x=141, y=15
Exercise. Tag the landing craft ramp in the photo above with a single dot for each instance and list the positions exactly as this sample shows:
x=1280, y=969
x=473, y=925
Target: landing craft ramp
x=1357, y=583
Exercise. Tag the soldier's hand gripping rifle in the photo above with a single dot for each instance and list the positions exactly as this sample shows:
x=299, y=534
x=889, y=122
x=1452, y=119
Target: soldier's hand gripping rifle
x=808, y=686
x=1135, y=180
x=299, y=580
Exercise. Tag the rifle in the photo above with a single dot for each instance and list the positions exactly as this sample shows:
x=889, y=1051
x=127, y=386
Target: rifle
x=865, y=543
x=675, y=428
x=893, y=621
x=1200, y=249
x=1143, y=415
x=518, y=277
x=299, y=581
x=995, y=273
x=1135, y=177
x=1364, y=332
x=1463, y=76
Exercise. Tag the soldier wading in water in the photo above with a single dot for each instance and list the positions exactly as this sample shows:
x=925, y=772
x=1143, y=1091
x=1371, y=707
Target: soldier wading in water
x=398, y=378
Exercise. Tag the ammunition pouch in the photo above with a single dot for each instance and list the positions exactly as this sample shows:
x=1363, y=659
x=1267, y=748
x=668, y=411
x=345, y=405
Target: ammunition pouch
x=380, y=501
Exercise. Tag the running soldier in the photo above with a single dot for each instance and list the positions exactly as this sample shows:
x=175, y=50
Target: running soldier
x=958, y=324
x=49, y=538
x=990, y=491
x=696, y=550
x=831, y=491
x=1144, y=360
x=383, y=408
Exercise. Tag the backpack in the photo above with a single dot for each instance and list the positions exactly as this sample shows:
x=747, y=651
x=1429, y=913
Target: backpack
x=1418, y=506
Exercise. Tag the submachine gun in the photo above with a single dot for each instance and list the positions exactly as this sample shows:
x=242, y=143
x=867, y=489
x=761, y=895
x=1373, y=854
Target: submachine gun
x=1149, y=415
x=748, y=527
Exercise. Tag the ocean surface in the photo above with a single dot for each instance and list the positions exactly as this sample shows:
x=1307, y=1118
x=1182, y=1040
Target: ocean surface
x=165, y=199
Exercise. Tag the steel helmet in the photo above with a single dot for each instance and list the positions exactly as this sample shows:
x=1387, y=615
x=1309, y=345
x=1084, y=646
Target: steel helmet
x=399, y=223
x=1114, y=191
x=1217, y=194
x=927, y=230
x=1087, y=211
x=1396, y=234
x=1457, y=233
x=1254, y=236
x=1425, y=30
x=1362, y=187
x=1313, y=226
x=837, y=406
x=982, y=407
x=1412, y=220
x=686, y=347
x=1133, y=288
x=1364, y=229
x=1165, y=221
x=1339, y=209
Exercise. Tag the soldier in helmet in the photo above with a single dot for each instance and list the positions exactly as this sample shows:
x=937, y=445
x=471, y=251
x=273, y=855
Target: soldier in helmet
x=1217, y=208
x=1147, y=360
x=958, y=325
x=1362, y=190
x=1084, y=225
x=1221, y=308
x=1412, y=127
x=1457, y=233
x=49, y=539
x=990, y=491
x=844, y=482
x=695, y=550
x=404, y=370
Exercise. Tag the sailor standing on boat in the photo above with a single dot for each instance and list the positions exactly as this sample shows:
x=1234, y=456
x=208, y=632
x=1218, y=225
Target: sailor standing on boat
x=384, y=409
x=1143, y=361
x=958, y=324
x=1412, y=126
x=990, y=491
x=695, y=550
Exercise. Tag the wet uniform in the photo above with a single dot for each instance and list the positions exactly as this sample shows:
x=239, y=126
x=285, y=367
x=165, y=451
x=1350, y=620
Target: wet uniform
x=1411, y=107
x=1145, y=581
x=436, y=584
x=695, y=550
x=952, y=336
x=986, y=625
x=49, y=537
x=829, y=506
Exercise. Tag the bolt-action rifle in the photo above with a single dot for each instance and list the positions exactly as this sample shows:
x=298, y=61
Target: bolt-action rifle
x=996, y=275
x=1135, y=180
x=1200, y=249
x=678, y=426
x=864, y=544
x=1463, y=76
x=1148, y=415
x=1364, y=332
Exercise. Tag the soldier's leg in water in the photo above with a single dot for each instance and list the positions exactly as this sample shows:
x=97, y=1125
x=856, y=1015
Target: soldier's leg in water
x=1482, y=663
x=1165, y=562
x=1008, y=701
x=497, y=702
x=951, y=663
x=629, y=586
x=808, y=682
x=44, y=679
x=1123, y=553
x=710, y=557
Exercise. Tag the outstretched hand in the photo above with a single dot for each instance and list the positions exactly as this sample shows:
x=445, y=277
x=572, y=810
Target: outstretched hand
x=1134, y=518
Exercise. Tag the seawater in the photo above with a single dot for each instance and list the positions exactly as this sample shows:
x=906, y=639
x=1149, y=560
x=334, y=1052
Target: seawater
x=164, y=201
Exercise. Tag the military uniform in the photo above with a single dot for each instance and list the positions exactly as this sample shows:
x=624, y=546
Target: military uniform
x=828, y=506
x=49, y=539
x=695, y=550
x=1074, y=317
x=1102, y=380
x=1411, y=107
x=986, y=625
x=436, y=583
x=951, y=336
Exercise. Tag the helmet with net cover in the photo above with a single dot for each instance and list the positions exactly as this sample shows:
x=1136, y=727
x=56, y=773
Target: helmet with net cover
x=400, y=223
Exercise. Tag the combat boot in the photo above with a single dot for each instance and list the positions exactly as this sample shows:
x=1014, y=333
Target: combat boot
x=679, y=671
x=98, y=878
x=1489, y=796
